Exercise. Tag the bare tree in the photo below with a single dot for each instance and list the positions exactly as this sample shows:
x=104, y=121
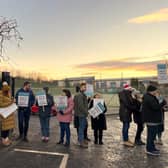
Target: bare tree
x=8, y=30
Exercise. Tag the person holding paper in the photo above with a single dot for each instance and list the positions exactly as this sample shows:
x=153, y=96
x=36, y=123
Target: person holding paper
x=24, y=99
x=9, y=122
x=64, y=117
x=99, y=123
x=45, y=113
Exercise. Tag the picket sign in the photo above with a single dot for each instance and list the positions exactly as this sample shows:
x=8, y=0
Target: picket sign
x=7, y=111
x=61, y=102
x=95, y=111
x=98, y=100
x=41, y=99
x=23, y=99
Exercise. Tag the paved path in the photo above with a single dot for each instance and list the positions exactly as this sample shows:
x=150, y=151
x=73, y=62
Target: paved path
x=112, y=154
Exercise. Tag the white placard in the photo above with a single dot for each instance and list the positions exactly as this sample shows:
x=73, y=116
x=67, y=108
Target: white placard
x=162, y=73
x=61, y=102
x=7, y=111
x=89, y=90
x=96, y=101
x=23, y=99
x=41, y=99
x=96, y=110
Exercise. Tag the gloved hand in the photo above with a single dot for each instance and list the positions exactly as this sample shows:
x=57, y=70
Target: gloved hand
x=61, y=112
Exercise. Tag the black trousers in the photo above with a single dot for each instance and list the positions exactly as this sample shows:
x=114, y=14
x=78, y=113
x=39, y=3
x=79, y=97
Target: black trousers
x=139, y=131
x=5, y=134
x=98, y=135
x=23, y=121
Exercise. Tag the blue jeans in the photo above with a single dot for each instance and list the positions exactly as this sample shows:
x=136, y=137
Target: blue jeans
x=23, y=121
x=64, y=128
x=151, y=135
x=45, y=126
x=82, y=126
x=125, y=129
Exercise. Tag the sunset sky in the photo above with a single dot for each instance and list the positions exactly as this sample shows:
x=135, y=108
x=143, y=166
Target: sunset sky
x=104, y=38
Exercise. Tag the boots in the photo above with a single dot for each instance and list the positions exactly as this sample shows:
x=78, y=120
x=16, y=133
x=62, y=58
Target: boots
x=95, y=137
x=100, y=137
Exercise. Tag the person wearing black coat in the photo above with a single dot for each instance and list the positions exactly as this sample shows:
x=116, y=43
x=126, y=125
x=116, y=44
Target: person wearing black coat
x=162, y=101
x=137, y=116
x=99, y=123
x=125, y=112
x=152, y=116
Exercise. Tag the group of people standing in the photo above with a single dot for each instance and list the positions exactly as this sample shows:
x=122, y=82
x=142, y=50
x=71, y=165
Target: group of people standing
x=77, y=107
x=146, y=109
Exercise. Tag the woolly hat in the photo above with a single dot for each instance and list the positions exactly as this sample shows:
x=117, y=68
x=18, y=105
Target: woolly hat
x=151, y=88
x=127, y=87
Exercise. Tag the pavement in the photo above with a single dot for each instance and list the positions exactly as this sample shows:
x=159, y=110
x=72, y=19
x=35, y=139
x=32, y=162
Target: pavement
x=37, y=154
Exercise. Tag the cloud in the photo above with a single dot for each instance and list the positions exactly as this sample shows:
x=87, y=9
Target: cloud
x=155, y=17
x=111, y=65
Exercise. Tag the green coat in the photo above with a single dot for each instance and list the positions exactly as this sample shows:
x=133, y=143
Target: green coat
x=80, y=105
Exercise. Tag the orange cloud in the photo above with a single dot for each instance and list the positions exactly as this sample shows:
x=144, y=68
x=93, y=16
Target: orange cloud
x=158, y=16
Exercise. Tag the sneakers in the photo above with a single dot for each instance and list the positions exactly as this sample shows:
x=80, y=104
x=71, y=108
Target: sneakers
x=42, y=138
x=46, y=139
x=128, y=144
x=153, y=153
x=6, y=141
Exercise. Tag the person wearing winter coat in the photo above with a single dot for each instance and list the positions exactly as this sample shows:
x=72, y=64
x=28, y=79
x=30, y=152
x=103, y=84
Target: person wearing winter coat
x=152, y=117
x=8, y=123
x=44, y=116
x=162, y=101
x=137, y=116
x=65, y=117
x=24, y=110
x=125, y=113
x=81, y=111
x=99, y=123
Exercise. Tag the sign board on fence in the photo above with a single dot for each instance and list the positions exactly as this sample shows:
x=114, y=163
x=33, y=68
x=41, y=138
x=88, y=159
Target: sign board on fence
x=23, y=99
x=41, y=99
x=89, y=90
x=7, y=111
x=96, y=101
x=162, y=73
x=61, y=102
x=96, y=110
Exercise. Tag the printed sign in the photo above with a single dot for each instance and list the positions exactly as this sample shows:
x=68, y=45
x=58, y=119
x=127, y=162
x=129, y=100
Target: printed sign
x=61, y=102
x=41, y=99
x=95, y=111
x=7, y=111
x=89, y=90
x=96, y=101
x=23, y=99
x=162, y=73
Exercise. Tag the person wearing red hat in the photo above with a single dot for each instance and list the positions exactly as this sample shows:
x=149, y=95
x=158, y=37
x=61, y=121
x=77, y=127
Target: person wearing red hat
x=125, y=112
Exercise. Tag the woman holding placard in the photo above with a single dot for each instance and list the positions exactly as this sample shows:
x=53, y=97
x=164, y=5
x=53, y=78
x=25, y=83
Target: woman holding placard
x=64, y=117
x=98, y=123
x=45, y=103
